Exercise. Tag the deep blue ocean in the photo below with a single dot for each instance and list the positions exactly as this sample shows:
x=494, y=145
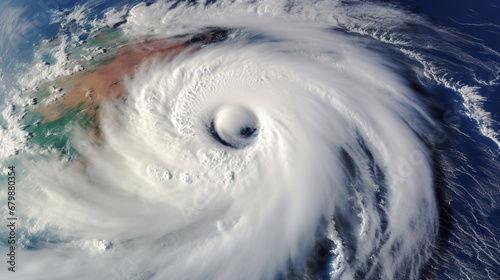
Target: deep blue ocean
x=480, y=21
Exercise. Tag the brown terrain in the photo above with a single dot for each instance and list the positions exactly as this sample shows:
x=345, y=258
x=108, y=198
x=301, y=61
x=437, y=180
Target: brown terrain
x=105, y=83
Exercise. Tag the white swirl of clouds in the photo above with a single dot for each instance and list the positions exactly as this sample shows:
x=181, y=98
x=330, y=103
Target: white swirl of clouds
x=334, y=147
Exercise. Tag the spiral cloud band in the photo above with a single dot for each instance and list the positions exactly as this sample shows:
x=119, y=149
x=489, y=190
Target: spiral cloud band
x=238, y=157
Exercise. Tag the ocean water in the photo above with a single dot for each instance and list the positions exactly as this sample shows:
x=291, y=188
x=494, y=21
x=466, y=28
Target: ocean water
x=250, y=139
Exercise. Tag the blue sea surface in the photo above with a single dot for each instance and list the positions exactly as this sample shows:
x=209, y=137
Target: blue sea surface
x=477, y=20
x=470, y=213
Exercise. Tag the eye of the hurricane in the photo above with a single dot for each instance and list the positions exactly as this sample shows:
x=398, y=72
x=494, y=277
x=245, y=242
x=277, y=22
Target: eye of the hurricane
x=234, y=126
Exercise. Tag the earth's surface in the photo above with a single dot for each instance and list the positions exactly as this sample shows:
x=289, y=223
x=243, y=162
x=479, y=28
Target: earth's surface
x=250, y=140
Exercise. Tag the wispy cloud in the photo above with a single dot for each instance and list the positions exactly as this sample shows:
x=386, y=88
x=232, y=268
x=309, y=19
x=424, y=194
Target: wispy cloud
x=12, y=26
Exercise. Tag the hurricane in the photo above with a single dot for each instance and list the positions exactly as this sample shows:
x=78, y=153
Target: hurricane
x=247, y=140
